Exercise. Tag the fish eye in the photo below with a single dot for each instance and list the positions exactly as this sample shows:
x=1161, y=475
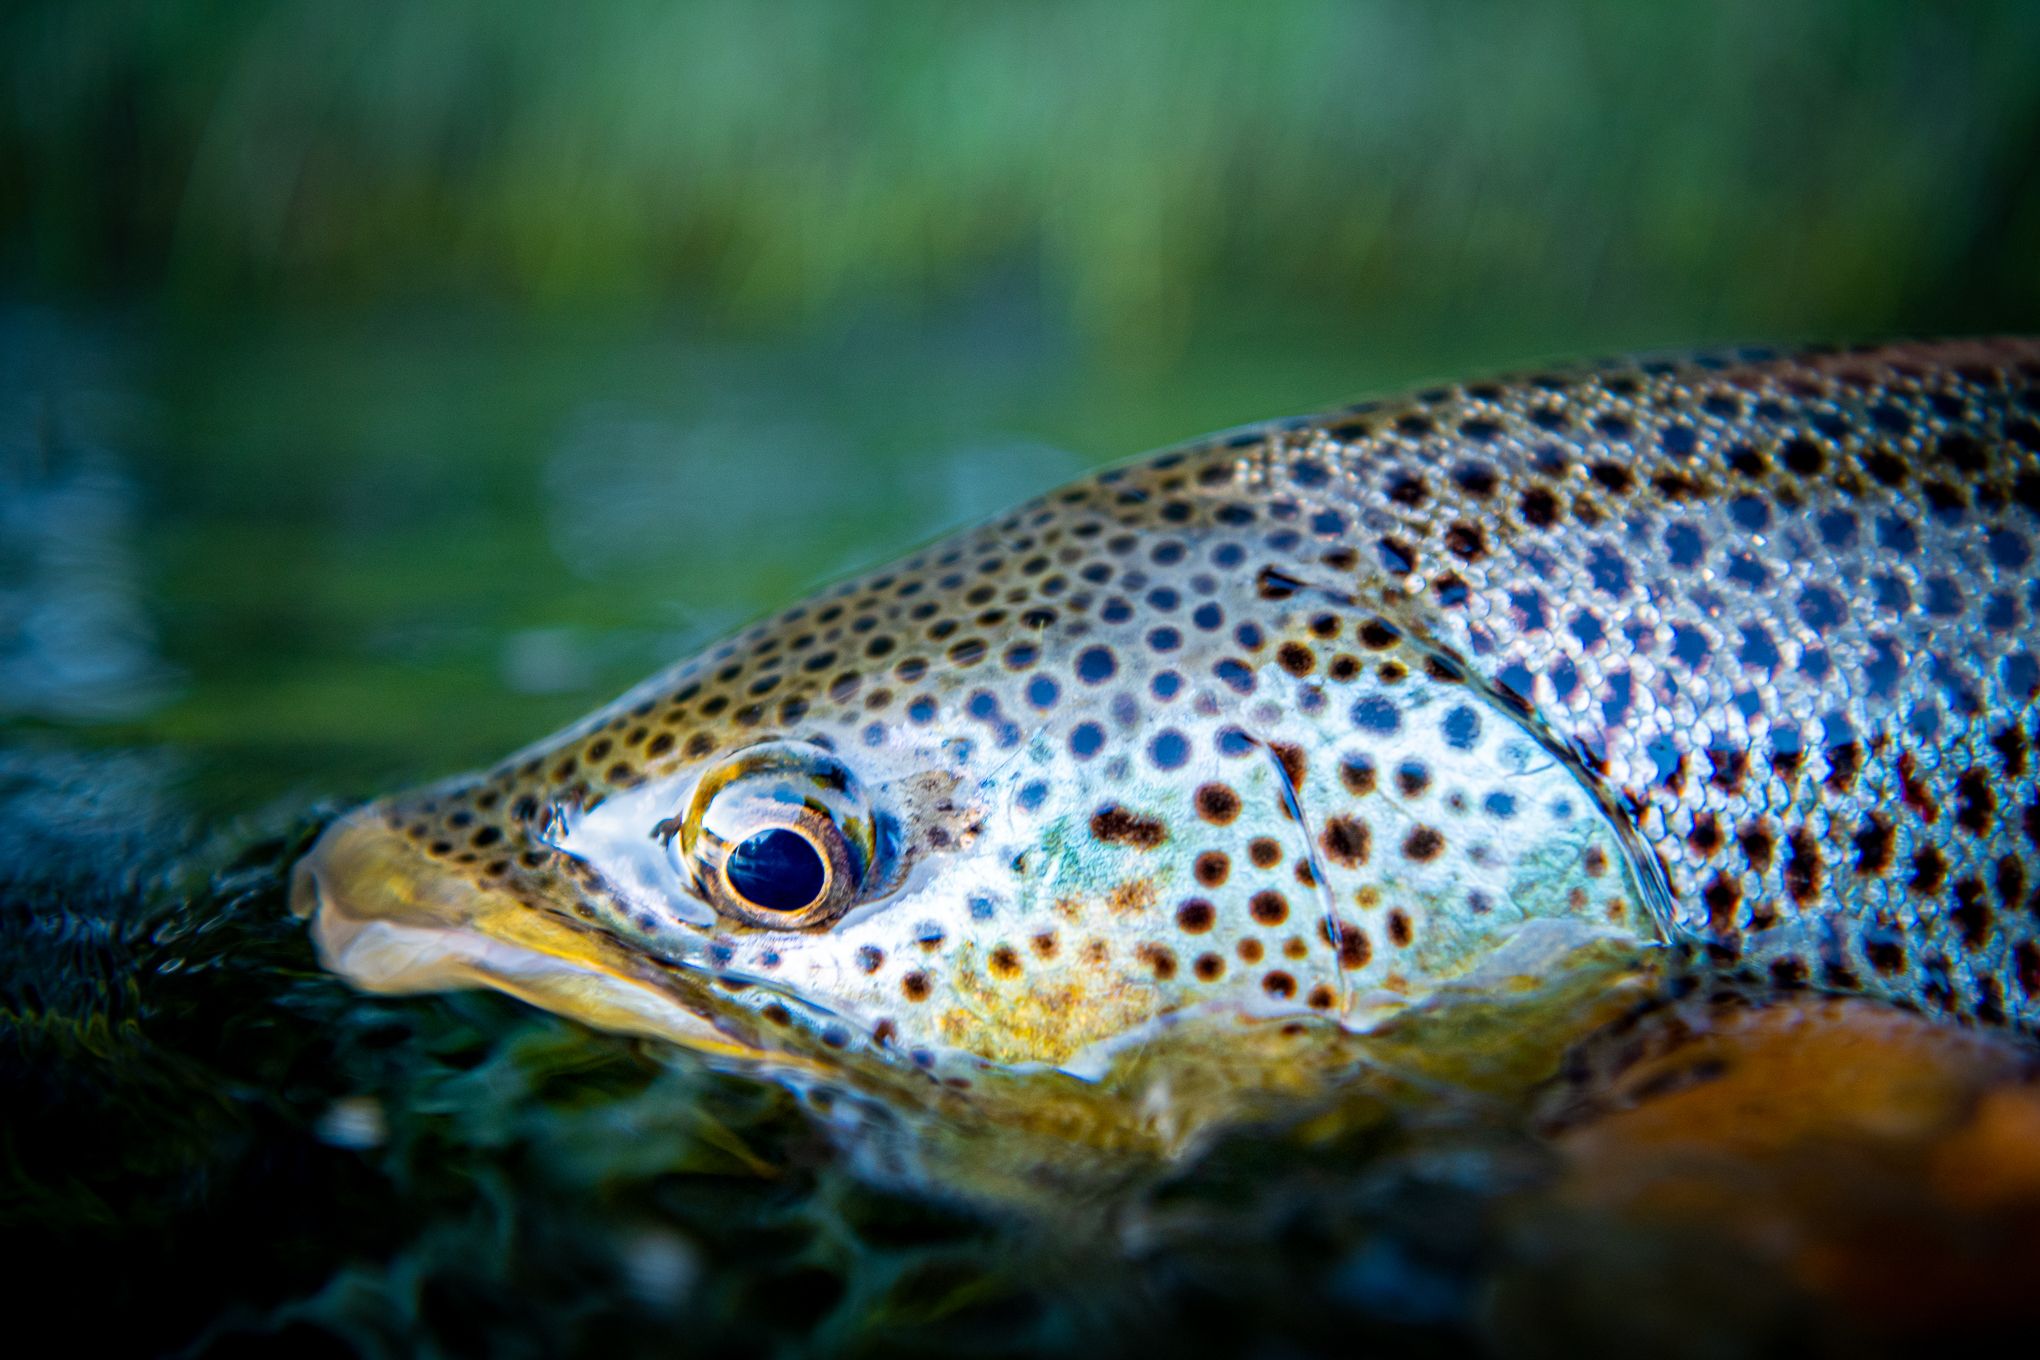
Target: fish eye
x=777, y=870
x=776, y=836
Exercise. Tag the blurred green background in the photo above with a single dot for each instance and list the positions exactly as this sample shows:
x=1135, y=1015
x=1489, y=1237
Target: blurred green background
x=382, y=383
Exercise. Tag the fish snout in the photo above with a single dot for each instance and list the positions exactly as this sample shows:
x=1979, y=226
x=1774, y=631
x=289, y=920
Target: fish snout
x=389, y=917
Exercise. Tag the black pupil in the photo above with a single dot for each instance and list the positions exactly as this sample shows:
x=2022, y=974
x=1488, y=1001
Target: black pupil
x=777, y=870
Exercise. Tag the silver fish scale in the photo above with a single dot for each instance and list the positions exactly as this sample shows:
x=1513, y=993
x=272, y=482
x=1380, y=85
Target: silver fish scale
x=1788, y=611
x=1294, y=722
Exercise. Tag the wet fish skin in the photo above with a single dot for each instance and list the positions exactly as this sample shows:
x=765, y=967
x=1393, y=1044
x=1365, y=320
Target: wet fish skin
x=1318, y=721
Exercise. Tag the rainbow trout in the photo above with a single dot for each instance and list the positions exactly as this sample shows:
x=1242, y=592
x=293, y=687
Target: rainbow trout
x=1494, y=697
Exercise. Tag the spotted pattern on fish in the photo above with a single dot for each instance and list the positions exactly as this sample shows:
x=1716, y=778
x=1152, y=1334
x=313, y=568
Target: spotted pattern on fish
x=1734, y=653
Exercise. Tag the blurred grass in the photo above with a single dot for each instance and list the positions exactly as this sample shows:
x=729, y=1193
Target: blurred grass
x=1745, y=166
x=460, y=348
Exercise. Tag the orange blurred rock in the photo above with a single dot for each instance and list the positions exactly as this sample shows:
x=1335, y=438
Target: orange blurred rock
x=1993, y=1161
x=1883, y=1165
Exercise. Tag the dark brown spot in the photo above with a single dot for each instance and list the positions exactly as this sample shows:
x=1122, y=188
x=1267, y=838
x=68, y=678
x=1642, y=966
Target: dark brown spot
x=1540, y=508
x=1195, y=916
x=1705, y=837
x=1294, y=763
x=1412, y=780
x=1423, y=844
x=1970, y=914
x=1296, y=658
x=1845, y=761
x=1217, y=803
x=1930, y=871
x=1729, y=767
x=915, y=986
x=1444, y=669
x=2011, y=881
x=1398, y=928
x=1594, y=861
x=1884, y=465
x=1408, y=490
x=1279, y=983
x=1159, y=958
x=1212, y=868
x=2026, y=962
x=1250, y=951
x=1046, y=945
x=1466, y=541
x=1873, y=845
x=2012, y=750
x=1347, y=938
x=1321, y=998
x=1264, y=851
x=1722, y=896
x=1346, y=841
x=1613, y=476
x=1802, y=866
x=1357, y=774
x=1990, y=1001
x=1208, y=967
x=1975, y=802
x=1944, y=496
x=1378, y=635
x=1269, y=907
x=1114, y=825
x=1886, y=956
x=1802, y=457
x=1758, y=844
x=1914, y=790
x=1005, y=962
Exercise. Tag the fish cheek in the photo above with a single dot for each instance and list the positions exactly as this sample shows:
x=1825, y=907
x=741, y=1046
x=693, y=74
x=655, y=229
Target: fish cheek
x=1453, y=843
x=1066, y=954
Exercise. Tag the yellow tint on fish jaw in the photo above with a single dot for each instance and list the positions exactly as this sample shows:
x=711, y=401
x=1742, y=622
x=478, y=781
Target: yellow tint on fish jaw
x=390, y=920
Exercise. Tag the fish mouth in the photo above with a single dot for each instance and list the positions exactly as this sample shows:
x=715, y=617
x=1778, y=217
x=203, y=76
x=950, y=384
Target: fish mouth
x=390, y=919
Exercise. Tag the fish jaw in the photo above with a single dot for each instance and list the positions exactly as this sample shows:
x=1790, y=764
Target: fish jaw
x=390, y=919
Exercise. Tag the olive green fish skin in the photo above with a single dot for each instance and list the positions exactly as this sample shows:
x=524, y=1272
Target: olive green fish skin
x=1733, y=652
